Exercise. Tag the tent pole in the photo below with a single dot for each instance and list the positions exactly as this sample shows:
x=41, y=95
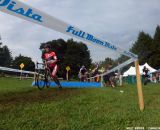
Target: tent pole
x=139, y=86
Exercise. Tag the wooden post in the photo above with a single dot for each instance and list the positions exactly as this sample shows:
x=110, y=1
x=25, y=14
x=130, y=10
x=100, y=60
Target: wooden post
x=67, y=76
x=67, y=73
x=139, y=86
x=20, y=75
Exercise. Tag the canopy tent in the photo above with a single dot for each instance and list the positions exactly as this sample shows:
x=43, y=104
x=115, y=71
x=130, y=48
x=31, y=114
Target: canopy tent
x=158, y=71
x=131, y=70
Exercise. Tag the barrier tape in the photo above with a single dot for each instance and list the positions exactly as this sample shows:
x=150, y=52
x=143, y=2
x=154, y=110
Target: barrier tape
x=16, y=70
x=114, y=69
x=26, y=12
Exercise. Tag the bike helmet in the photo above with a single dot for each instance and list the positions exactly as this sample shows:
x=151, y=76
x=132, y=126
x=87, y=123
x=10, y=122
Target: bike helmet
x=47, y=46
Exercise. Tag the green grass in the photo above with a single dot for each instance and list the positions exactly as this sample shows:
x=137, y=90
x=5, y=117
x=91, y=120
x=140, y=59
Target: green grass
x=23, y=107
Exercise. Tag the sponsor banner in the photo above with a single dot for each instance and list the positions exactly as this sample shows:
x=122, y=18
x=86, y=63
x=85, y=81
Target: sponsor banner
x=21, y=10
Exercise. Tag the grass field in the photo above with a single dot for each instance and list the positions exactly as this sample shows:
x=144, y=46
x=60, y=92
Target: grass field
x=23, y=107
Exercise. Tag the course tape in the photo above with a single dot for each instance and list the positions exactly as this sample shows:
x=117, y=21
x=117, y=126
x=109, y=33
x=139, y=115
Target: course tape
x=16, y=70
x=114, y=69
x=21, y=10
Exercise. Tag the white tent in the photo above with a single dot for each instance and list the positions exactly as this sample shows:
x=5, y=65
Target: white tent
x=132, y=71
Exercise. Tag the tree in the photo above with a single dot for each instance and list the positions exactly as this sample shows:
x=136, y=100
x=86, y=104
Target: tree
x=147, y=49
x=77, y=54
x=108, y=63
x=5, y=56
x=27, y=61
x=142, y=47
x=154, y=60
x=70, y=53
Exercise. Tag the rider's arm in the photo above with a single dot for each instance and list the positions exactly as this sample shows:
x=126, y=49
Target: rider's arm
x=54, y=59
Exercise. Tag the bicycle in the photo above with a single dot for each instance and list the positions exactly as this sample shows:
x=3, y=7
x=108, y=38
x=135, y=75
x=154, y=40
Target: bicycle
x=42, y=81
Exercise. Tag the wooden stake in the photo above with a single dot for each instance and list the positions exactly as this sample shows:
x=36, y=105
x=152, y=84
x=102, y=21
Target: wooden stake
x=67, y=76
x=139, y=86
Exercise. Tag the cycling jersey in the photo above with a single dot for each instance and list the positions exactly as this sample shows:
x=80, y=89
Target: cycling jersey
x=50, y=56
x=83, y=70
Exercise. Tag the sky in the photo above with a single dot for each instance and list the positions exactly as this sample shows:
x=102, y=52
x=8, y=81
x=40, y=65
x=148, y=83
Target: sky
x=115, y=21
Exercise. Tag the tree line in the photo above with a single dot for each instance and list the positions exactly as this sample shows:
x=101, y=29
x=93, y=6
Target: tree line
x=146, y=47
x=7, y=60
x=75, y=54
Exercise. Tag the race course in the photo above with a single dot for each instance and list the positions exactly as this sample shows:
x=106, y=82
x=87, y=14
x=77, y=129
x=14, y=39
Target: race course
x=23, y=107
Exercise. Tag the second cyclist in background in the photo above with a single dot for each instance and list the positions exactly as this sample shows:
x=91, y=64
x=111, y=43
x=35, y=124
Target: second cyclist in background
x=83, y=74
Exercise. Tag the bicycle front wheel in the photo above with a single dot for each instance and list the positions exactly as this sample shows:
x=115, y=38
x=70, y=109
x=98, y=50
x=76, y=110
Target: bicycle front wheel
x=41, y=83
x=47, y=81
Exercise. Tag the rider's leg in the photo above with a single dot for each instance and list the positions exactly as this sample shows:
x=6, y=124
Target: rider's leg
x=112, y=82
x=82, y=78
x=55, y=78
x=145, y=81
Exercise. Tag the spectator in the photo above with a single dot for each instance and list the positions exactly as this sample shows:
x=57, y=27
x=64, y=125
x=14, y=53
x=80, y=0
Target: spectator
x=146, y=75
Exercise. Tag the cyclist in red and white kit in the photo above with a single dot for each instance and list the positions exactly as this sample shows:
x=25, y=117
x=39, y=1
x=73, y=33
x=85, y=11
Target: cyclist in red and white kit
x=51, y=61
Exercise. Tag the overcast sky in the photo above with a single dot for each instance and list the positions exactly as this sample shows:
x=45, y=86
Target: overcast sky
x=116, y=21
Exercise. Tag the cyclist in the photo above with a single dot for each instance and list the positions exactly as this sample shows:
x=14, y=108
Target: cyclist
x=51, y=62
x=83, y=73
x=96, y=73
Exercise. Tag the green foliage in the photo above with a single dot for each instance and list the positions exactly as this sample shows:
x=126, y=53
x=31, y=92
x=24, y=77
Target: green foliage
x=5, y=56
x=6, y=59
x=23, y=107
x=70, y=53
x=108, y=63
x=156, y=40
x=27, y=61
x=122, y=59
x=148, y=48
x=142, y=47
x=155, y=55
